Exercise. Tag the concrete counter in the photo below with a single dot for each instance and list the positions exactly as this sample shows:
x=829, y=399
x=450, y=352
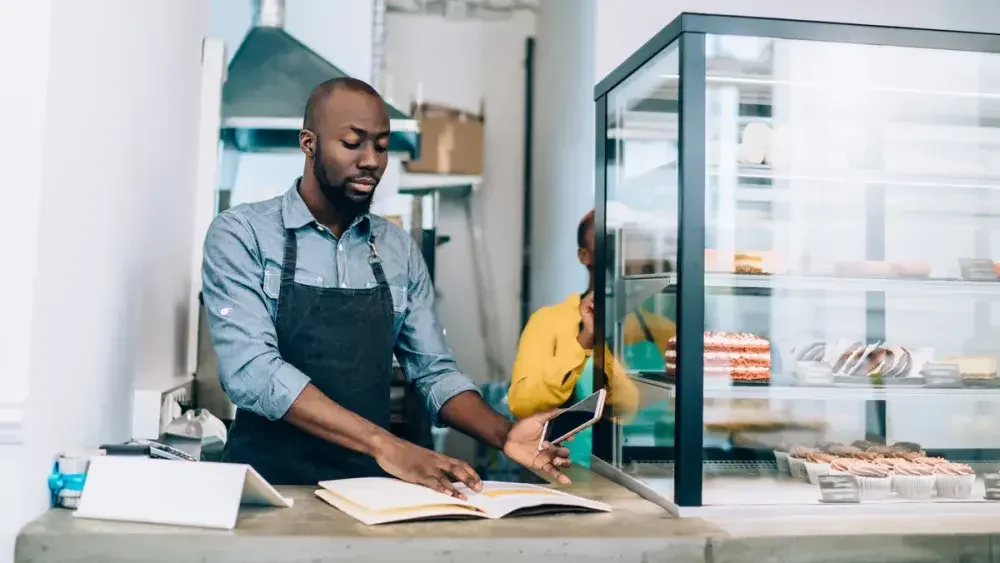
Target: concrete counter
x=637, y=530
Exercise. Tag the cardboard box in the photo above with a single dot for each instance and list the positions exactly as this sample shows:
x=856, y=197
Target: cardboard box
x=451, y=141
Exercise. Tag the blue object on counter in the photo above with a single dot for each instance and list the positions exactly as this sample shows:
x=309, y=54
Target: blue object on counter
x=64, y=482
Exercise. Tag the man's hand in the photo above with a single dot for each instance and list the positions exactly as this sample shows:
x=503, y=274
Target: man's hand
x=414, y=464
x=586, y=337
x=522, y=447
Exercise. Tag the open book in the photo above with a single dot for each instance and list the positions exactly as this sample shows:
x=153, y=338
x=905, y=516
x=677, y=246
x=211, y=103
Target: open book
x=380, y=500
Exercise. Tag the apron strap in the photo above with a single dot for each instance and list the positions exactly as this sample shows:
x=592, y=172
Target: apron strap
x=291, y=258
x=374, y=260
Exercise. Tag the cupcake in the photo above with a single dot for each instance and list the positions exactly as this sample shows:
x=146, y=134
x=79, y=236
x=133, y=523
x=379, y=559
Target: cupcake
x=842, y=465
x=908, y=447
x=840, y=450
x=913, y=481
x=930, y=461
x=797, y=461
x=953, y=480
x=781, y=457
x=818, y=464
x=867, y=456
x=873, y=480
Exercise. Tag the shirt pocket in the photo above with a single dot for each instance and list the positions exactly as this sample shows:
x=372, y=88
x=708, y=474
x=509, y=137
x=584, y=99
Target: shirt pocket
x=272, y=283
x=398, y=296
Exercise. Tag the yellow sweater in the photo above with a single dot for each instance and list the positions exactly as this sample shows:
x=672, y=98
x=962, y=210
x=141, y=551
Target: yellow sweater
x=550, y=360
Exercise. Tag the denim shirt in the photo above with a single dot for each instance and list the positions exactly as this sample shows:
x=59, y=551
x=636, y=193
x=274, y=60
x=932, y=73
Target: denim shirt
x=241, y=276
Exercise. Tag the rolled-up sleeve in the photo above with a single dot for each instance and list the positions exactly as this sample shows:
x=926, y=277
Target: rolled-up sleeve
x=421, y=348
x=251, y=370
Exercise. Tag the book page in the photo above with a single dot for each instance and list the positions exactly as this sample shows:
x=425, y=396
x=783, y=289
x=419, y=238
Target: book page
x=499, y=499
x=384, y=493
x=406, y=514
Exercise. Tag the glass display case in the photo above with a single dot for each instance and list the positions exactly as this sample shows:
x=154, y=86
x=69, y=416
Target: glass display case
x=800, y=226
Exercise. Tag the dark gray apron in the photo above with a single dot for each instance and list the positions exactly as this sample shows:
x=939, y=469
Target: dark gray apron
x=343, y=340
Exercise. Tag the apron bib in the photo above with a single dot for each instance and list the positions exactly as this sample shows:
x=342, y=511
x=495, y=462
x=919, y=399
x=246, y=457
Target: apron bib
x=343, y=340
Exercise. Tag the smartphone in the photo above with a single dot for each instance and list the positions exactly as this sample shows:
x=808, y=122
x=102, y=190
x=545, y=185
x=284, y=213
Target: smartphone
x=573, y=419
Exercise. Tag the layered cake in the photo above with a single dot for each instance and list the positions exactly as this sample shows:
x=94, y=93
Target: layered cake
x=976, y=368
x=741, y=356
x=748, y=264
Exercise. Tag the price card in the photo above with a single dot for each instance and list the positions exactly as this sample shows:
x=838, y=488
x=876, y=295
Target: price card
x=839, y=489
x=992, y=486
x=977, y=269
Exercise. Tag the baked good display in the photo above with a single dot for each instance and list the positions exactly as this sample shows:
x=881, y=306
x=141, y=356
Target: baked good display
x=864, y=269
x=748, y=264
x=740, y=356
x=913, y=269
x=817, y=464
x=914, y=481
x=874, y=481
x=797, y=461
x=974, y=368
x=954, y=480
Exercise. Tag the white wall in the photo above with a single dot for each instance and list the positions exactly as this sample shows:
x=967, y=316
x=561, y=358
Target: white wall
x=462, y=63
x=621, y=30
x=563, y=152
x=107, y=155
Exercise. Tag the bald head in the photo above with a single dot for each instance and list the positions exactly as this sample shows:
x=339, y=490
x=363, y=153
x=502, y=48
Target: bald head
x=325, y=90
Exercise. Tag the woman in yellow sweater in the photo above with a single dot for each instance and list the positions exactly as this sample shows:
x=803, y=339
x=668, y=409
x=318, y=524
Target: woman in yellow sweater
x=553, y=367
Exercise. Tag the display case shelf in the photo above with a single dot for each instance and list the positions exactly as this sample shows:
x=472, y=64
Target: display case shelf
x=655, y=389
x=640, y=287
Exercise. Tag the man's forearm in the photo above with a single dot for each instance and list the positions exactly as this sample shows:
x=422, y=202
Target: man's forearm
x=319, y=415
x=468, y=413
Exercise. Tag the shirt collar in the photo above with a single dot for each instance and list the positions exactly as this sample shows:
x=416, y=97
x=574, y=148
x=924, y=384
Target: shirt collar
x=295, y=214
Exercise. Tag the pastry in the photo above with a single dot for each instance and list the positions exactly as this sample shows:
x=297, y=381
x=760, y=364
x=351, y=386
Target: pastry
x=954, y=480
x=913, y=481
x=849, y=358
x=976, y=368
x=913, y=269
x=842, y=451
x=842, y=465
x=930, y=461
x=749, y=264
x=864, y=268
x=817, y=463
x=873, y=480
x=812, y=353
x=797, y=461
x=907, y=446
x=739, y=356
x=781, y=457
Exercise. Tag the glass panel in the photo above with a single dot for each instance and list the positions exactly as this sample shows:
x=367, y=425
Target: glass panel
x=850, y=279
x=642, y=150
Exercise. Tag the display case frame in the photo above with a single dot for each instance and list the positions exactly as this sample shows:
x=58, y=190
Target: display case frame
x=688, y=33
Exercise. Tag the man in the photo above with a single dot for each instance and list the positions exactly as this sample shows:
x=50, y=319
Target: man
x=309, y=295
x=553, y=367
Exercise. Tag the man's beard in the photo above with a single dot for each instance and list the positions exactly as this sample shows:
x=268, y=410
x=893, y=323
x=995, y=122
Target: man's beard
x=348, y=208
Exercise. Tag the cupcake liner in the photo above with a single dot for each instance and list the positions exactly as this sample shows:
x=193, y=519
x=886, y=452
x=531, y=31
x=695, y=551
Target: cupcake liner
x=954, y=486
x=797, y=468
x=781, y=460
x=874, y=488
x=814, y=470
x=913, y=487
